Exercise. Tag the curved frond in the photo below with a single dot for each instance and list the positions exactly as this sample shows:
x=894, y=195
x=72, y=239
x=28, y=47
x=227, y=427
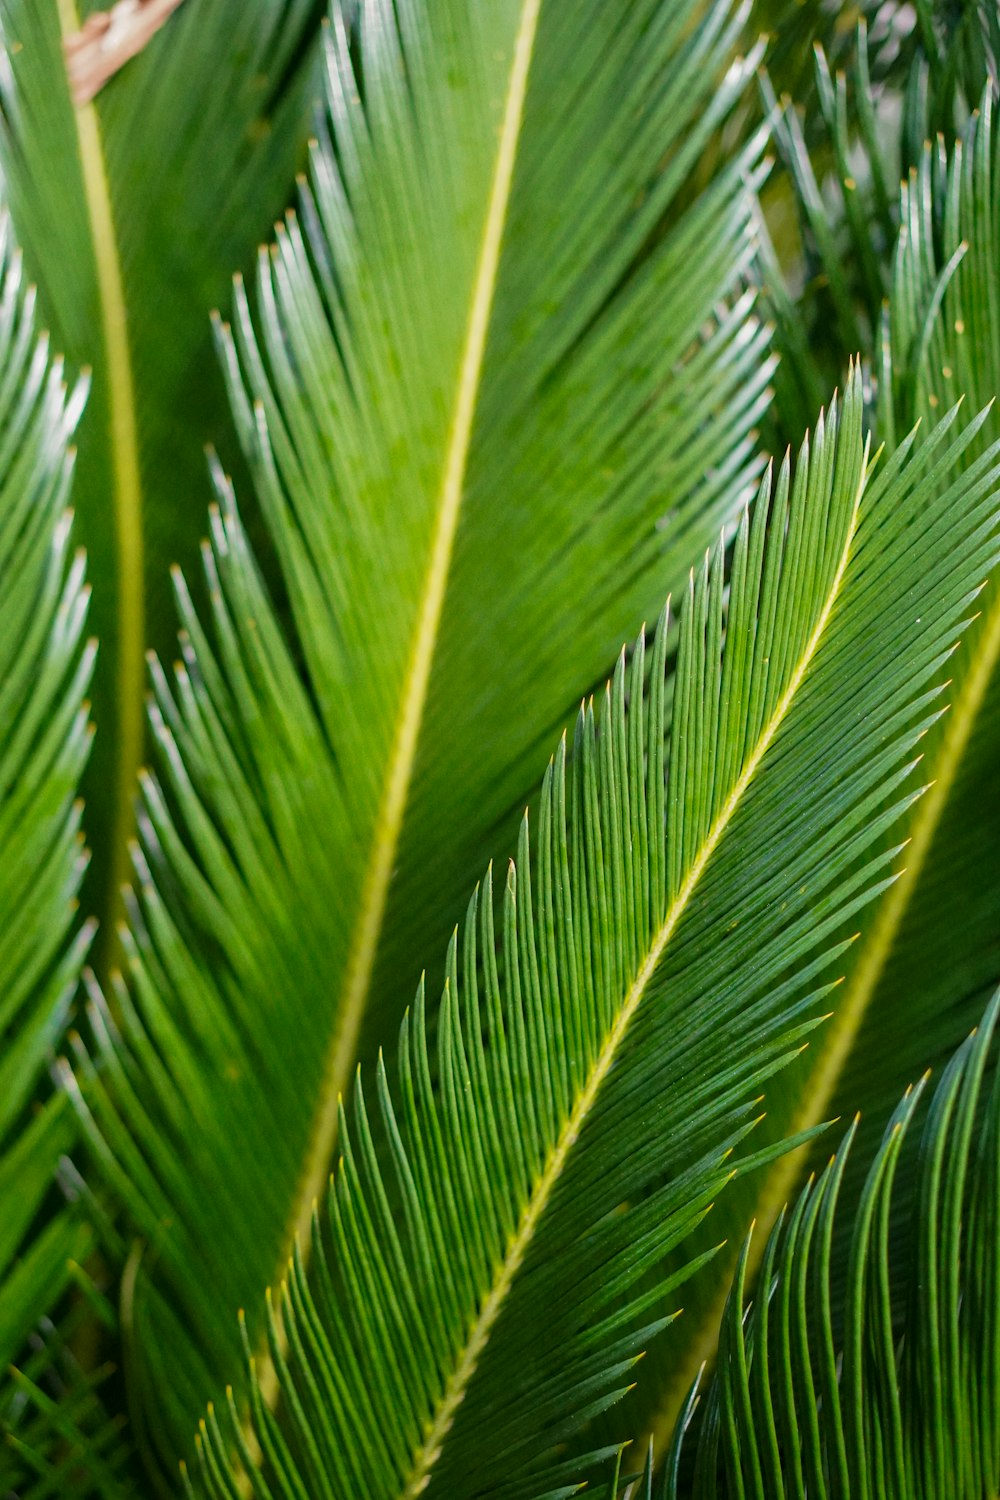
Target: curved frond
x=934, y=950
x=498, y=388
x=812, y=1398
x=473, y=1302
x=931, y=949
x=44, y=743
x=133, y=210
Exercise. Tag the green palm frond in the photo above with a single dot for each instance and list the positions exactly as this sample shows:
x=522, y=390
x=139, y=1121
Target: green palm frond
x=133, y=211
x=44, y=742
x=585, y=422
x=816, y=1399
x=931, y=950
x=936, y=941
x=469, y=1306
x=474, y=392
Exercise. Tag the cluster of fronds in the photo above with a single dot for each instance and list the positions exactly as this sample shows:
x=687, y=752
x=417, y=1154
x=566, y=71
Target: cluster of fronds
x=503, y=382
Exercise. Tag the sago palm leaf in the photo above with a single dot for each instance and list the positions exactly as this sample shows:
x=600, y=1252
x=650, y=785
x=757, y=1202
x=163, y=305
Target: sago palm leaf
x=574, y=439
x=496, y=403
x=877, y=1406
x=663, y=948
x=935, y=949
x=44, y=742
x=133, y=211
x=918, y=974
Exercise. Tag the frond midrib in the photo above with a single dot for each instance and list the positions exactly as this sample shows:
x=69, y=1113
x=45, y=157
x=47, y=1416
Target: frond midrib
x=856, y=996
x=457, y=1385
x=123, y=438
x=368, y=926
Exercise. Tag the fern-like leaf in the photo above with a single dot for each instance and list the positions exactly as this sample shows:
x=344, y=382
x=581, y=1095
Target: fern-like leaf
x=44, y=742
x=133, y=210
x=929, y=953
x=811, y=1398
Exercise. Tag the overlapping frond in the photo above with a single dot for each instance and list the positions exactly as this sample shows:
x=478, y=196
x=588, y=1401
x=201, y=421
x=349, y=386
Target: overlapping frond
x=935, y=949
x=917, y=977
x=133, y=211
x=664, y=947
x=44, y=742
x=820, y=1399
x=583, y=427
x=497, y=389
